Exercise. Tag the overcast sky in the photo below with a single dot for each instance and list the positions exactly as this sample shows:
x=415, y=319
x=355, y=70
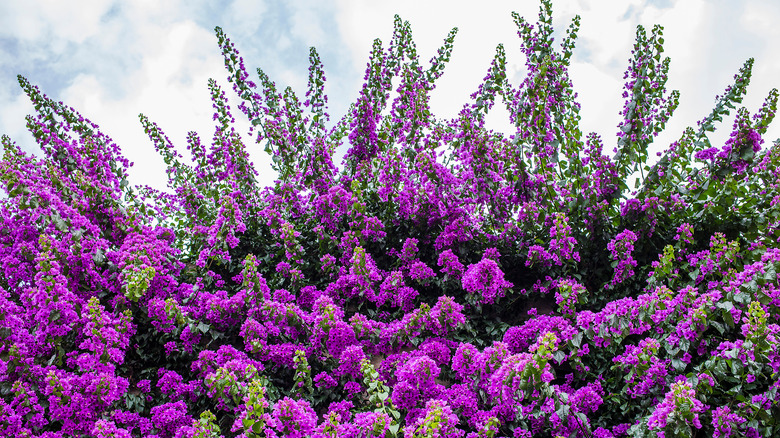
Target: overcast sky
x=112, y=60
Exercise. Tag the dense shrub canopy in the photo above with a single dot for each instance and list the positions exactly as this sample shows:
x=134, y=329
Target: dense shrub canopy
x=445, y=280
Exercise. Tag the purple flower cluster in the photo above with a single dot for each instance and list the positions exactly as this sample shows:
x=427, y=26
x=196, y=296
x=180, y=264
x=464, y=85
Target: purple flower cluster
x=450, y=265
x=620, y=249
x=561, y=242
x=725, y=422
x=486, y=281
x=679, y=405
x=568, y=294
x=645, y=370
x=438, y=422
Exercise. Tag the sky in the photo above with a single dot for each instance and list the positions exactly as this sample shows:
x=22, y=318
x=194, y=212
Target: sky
x=112, y=60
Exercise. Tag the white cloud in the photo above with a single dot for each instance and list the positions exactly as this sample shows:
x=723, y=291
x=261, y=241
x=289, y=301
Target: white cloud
x=246, y=16
x=66, y=20
x=599, y=104
x=760, y=18
x=604, y=33
x=307, y=21
x=12, y=123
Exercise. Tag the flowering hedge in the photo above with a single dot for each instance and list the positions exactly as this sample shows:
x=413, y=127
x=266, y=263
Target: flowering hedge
x=444, y=281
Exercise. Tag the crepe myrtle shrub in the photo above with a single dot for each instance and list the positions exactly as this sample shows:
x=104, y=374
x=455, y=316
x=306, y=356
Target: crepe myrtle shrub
x=442, y=280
